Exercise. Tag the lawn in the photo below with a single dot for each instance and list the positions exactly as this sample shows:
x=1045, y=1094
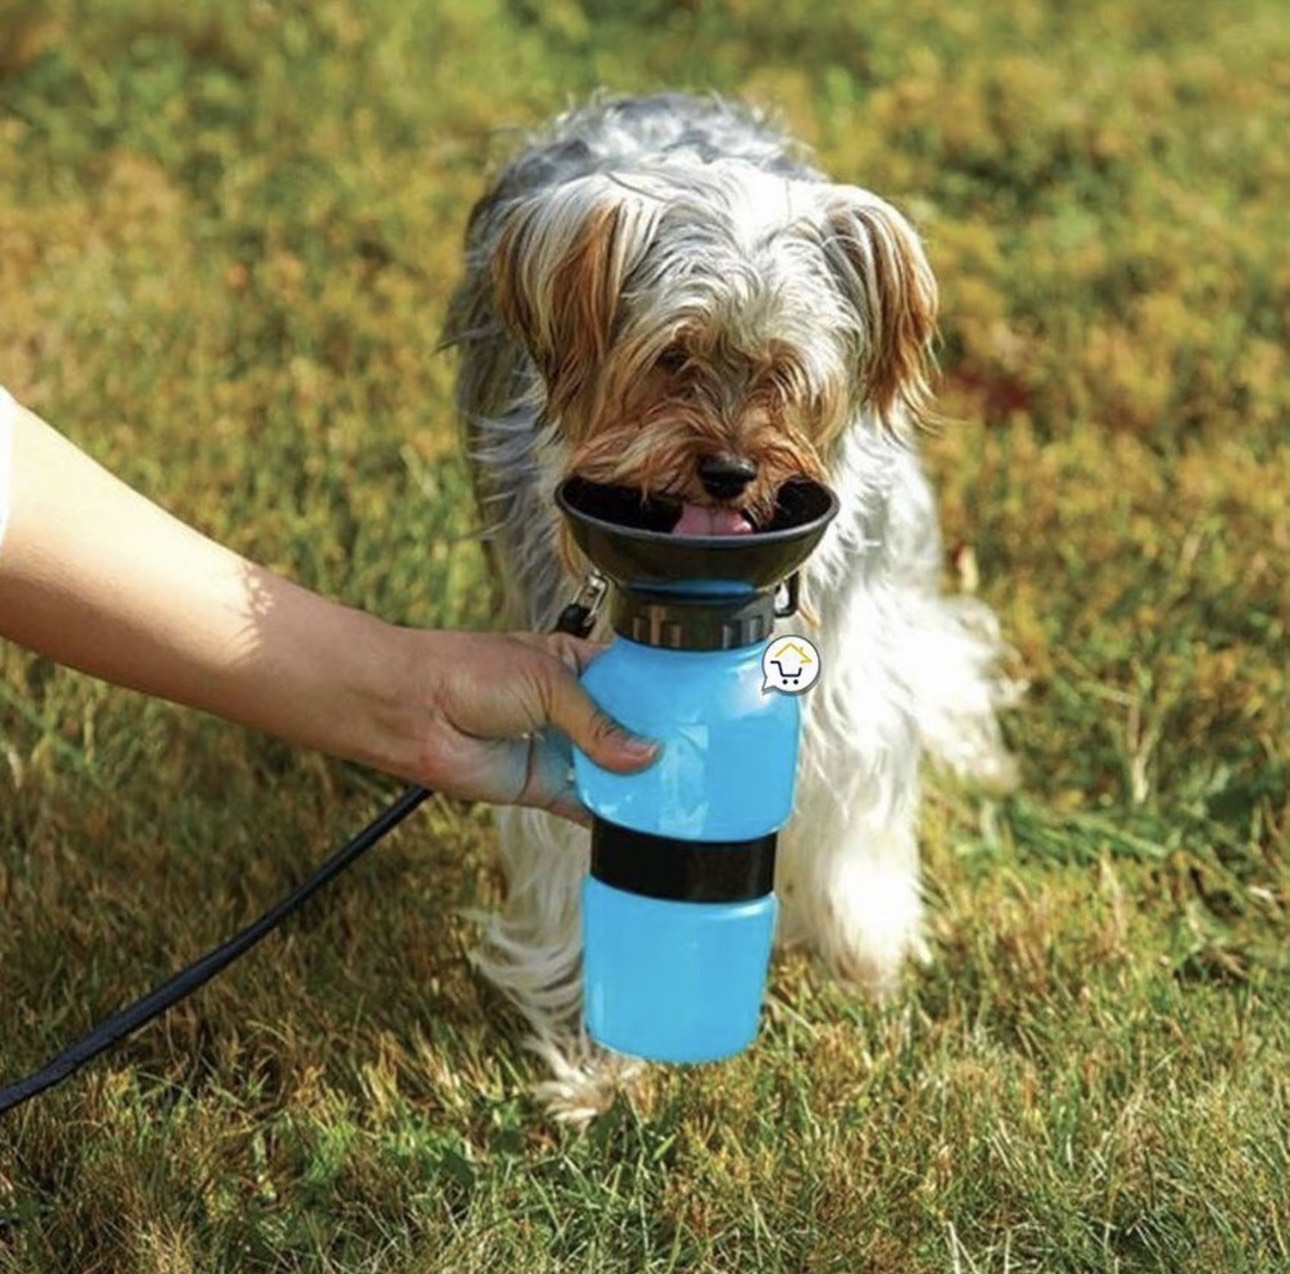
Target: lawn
x=228, y=232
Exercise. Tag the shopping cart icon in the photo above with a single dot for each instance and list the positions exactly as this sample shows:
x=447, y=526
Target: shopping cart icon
x=790, y=675
x=790, y=665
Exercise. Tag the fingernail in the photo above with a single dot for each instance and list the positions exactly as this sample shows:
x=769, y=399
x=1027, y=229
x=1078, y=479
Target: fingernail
x=642, y=749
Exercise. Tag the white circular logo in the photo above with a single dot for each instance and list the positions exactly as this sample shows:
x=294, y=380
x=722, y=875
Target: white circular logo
x=790, y=665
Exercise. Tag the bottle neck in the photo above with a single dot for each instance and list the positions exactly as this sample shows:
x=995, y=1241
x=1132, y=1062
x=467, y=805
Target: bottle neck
x=691, y=621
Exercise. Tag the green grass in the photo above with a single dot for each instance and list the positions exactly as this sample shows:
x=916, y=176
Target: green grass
x=227, y=236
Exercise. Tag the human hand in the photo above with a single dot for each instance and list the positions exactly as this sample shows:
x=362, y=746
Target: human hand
x=127, y=593
x=499, y=713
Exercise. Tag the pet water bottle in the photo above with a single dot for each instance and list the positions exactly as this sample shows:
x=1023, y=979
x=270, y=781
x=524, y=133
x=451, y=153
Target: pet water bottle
x=679, y=909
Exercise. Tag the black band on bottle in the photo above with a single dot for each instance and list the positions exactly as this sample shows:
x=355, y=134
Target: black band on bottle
x=682, y=870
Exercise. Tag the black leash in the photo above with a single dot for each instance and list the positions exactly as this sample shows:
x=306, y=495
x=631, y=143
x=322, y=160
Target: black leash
x=577, y=619
x=129, y=1019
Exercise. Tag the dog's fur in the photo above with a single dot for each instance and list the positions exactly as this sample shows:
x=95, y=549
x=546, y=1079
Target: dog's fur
x=657, y=280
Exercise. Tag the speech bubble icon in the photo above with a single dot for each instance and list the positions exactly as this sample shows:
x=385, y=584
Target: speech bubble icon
x=789, y=665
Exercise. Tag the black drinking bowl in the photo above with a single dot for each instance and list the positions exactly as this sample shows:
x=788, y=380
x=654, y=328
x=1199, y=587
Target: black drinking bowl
x=630, y=539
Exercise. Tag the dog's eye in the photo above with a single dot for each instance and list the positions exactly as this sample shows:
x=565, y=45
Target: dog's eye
x=673, y=359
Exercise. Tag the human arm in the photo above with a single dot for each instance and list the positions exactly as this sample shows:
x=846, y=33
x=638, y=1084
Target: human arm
x=94, y=575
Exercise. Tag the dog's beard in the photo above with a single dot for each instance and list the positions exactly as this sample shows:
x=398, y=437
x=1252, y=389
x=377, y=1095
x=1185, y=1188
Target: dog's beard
x=655, y=426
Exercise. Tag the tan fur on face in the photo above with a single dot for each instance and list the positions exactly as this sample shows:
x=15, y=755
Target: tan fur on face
x=664, y=334
x=885, y=267
x=656, y=420
x=558, y=273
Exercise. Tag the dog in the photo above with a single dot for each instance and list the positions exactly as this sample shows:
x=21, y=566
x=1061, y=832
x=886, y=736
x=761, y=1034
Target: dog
x=664, y=293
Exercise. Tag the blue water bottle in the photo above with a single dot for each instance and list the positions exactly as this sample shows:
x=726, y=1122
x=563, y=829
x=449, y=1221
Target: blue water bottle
x=679, y=909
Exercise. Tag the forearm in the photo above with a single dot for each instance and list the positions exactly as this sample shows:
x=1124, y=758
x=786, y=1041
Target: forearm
x=95, y=576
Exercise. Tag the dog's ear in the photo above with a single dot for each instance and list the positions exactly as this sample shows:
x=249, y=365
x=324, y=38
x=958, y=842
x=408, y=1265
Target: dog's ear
x=558, y=273
x=883, y=273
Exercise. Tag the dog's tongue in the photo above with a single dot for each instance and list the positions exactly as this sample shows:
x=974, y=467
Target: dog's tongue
x=695, y=519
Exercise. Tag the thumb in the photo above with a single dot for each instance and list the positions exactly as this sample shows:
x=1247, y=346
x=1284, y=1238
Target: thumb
x=589, y=727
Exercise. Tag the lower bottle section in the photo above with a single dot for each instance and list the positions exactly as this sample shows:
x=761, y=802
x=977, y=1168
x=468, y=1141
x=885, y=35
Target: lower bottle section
x=674, y=981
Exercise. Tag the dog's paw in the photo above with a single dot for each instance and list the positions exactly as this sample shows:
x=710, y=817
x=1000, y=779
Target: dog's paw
x=584, y=1078
x=865, y=926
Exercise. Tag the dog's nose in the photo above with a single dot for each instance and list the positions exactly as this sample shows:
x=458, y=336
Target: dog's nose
x=724, y=477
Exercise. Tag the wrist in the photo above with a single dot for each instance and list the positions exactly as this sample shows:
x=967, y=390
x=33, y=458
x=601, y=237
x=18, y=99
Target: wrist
x=326, y=676
x=395, y=693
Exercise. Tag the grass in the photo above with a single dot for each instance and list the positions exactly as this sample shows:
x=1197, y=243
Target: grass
x=227, y=235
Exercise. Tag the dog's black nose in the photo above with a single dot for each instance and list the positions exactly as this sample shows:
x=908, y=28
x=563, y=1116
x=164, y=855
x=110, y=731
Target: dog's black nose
x=726, y=476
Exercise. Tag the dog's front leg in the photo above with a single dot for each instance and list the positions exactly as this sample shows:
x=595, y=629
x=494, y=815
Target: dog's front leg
x=532, y=952
x=847, y=876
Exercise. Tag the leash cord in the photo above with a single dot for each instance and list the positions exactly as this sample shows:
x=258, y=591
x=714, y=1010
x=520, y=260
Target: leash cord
x=576, y=618
x=127, y=1020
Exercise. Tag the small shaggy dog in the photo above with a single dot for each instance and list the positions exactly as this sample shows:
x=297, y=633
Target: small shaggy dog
x=663, y=293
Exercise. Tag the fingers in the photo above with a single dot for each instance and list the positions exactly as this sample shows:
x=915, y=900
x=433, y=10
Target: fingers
x=576, y=653
x=595, y=732
x=572, y=711
x=511, y=725
x=549, y=780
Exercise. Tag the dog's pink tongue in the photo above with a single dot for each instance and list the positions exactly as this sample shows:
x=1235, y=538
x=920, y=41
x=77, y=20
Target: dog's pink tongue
x=697, y=520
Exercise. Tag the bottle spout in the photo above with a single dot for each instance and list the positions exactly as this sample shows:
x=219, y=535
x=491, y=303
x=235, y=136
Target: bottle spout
x=633, y=540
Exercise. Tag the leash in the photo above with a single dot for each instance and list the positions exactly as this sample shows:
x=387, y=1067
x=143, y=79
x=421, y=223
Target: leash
x=576, y=619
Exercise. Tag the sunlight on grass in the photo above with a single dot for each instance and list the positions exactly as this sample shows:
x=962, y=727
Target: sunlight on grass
x=228, y=232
